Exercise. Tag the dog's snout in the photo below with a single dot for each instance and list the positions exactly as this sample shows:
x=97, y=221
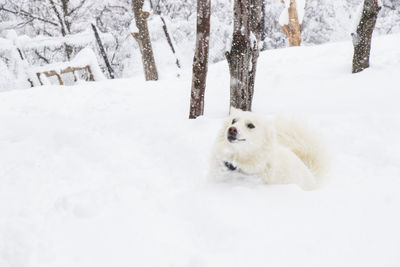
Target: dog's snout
x=232, y=134
x=232, y=130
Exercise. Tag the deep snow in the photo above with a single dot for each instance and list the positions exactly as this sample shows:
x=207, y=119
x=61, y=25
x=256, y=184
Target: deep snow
x=112, y=173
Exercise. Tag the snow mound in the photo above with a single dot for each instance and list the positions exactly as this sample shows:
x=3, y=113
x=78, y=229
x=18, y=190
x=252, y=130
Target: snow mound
x=112, y=173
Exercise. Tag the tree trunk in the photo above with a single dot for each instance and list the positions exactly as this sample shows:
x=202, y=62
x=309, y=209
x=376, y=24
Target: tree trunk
x=157, y=11
x=362, y=36
x=200, y=59
x=242, y=59
x=169, y=40
x=103, y=52
x=143, y=39
x=293, y=29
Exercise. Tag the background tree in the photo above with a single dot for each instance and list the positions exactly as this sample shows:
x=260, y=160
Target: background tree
x=362, y=36
x=51, y=18
x=242, y=59
x=103, y=52
x=290, y=20
x=324, y=21
x=200, y=59
x=157, y=10
x=142, y=37
x=115, y=17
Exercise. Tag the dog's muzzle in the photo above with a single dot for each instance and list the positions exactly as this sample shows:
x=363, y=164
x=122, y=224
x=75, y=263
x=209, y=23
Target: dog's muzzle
x=232, y=134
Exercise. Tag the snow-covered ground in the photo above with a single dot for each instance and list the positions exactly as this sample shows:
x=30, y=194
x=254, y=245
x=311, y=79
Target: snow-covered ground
x=112, y=173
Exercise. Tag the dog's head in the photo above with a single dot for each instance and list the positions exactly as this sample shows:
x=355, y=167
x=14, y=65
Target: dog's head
x=244, y=133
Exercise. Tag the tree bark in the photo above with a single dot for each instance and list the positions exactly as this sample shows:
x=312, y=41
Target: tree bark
x=200, y=59
x=293, y=29
x=242, y=59
x=143, y=39
x=103, y=52
x=363, y=35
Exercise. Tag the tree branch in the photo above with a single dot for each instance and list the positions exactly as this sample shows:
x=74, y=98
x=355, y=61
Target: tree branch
x=27, y=14
x=61, y=23
x=41, y=57
x=79, y=6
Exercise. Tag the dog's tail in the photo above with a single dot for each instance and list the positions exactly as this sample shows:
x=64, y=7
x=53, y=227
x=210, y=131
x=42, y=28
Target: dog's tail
x=304, y=142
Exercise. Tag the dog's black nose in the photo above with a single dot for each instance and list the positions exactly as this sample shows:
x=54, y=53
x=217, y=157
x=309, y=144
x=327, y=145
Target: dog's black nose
x=232, y=130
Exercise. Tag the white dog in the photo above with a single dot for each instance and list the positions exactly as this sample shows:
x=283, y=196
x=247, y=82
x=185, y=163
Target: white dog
x=278, y=151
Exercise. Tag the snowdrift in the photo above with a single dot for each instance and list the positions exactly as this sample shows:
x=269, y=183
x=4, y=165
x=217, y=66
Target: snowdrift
x=112, y=173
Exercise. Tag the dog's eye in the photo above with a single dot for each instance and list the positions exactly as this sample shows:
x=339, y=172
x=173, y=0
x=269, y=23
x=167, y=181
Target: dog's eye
x=234, y=121
x=251, y=126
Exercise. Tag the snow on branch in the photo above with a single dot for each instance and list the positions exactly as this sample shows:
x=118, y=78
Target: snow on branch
x=80, y=39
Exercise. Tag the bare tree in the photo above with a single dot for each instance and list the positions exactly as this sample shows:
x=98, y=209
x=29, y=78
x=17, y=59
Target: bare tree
x=103, y=52
x=242, y=58
x=56, y=17
x=200, y=59
x=293, y=28
x=157, y=11
x=27, y=15
x=143, y=39
x=363, y=35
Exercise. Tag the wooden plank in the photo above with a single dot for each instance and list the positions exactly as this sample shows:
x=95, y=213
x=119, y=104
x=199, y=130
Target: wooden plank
x=69, y=69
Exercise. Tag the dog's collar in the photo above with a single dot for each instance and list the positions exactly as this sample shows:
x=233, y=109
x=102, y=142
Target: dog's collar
x=230, y=166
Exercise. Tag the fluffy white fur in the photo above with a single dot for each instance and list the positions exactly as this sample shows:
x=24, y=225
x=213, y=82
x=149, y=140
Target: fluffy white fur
x=279, y=151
